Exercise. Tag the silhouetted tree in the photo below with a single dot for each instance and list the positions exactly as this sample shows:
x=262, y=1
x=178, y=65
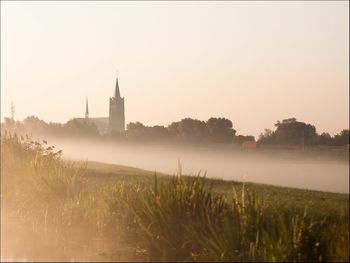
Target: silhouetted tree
x=34, y=125
x=325, y=139
x=76, y=127
x=56, y=128
x=341, y=138
x=159, y=133
x=293, y=132
x=220, y=130
x=136, y=131
x=189, y=131
x=290, y=132
x=267, y=137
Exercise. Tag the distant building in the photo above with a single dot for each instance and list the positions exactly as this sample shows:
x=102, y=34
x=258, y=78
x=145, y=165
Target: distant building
x=116, y=111
x=116, y=120
x=249, y=144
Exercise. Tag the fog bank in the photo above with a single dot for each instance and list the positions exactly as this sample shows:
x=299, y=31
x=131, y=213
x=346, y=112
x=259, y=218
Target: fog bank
x=324, y=174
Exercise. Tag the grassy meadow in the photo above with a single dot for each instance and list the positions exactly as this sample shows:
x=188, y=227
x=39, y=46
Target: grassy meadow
x=53, y=209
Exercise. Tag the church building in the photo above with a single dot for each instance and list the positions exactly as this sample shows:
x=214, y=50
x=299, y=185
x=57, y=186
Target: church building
x=116, y=111
x=115, y=122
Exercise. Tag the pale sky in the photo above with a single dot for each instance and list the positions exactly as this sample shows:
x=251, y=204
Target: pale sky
x=252, y=62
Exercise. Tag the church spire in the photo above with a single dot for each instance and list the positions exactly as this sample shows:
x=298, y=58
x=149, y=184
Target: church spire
x=87, y=109
x=117, y=93
x=12, y=111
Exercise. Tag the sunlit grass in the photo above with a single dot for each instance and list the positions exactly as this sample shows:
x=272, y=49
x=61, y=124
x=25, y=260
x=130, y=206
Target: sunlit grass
x=90, y=211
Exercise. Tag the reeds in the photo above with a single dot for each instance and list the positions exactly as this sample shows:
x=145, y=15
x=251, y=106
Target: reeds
x=179, y=218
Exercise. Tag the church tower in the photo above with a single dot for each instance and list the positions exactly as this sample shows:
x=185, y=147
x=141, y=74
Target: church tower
x=116, y=111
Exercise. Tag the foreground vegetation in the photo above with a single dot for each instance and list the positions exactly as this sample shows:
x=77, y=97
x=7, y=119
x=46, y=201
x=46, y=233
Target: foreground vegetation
x=57, y=210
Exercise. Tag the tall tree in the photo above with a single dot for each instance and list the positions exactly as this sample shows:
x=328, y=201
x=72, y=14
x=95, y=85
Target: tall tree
x=293, y=132
x=76, y=127
x=341, y=138
x=220, y=130
x=190, y=131
x=290, y=132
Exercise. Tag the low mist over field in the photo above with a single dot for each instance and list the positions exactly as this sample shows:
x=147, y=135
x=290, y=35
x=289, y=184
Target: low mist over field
x=174, y=131
x=54, y=210
x=307, y=170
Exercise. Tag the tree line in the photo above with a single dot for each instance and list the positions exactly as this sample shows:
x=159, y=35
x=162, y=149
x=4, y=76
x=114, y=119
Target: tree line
x=293, y=132
x=186, y=131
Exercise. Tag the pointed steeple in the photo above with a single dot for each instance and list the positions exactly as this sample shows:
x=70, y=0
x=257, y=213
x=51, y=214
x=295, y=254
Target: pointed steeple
x=117, y=93
x=12, y=110
x=87, y=109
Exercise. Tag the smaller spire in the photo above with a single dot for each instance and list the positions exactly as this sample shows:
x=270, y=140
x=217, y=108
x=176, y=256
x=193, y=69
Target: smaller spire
x=87, y=109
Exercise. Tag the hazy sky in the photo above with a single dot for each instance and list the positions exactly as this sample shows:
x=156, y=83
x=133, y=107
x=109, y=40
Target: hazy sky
x=252, y=62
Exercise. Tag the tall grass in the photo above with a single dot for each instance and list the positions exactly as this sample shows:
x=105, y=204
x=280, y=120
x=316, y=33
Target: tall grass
x=184, y=220
x=53, y=206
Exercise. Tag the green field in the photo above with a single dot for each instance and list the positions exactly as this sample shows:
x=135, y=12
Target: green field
x=318, y=203
x=58, y=210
